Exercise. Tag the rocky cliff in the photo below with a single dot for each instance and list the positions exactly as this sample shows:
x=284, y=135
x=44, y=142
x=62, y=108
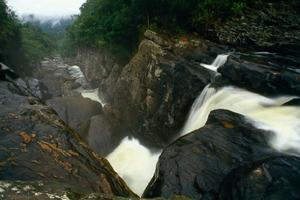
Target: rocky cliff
x=154, y=91
x=36, y=145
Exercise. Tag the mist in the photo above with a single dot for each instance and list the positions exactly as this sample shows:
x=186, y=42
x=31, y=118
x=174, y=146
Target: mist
x=46, y=8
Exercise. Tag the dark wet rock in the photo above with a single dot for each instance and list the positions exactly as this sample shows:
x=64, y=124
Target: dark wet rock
x=294, y=102
x=197, y=164
x=272, y=26
x=37, y=146
x=75, y=111
x=7, y=73
x=262, y=76
x=274, y=178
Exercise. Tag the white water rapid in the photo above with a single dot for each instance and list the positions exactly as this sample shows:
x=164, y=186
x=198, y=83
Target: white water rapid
x=134, y=163
x=93, y=95
x=218, y=62
x=265, y=113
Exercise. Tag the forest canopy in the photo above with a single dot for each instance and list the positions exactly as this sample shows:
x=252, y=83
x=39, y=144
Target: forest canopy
x=23, y=45
x=120, y=22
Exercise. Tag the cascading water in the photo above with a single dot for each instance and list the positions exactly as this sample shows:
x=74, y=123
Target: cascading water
x=134, y=163
x=93, y=95
x=264, y=113
x=218, y=62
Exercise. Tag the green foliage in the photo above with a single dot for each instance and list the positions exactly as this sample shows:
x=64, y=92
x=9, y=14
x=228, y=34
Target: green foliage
x=21, y=45
x=119, y=22
x=10, y=37
x=36, y=44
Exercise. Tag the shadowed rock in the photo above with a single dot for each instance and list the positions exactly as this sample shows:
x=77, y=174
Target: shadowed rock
x=197, y=164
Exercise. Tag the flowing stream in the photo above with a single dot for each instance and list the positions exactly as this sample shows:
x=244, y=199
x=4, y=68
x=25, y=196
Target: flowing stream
x=265, y=113
x=136, y=164
x=218, y=62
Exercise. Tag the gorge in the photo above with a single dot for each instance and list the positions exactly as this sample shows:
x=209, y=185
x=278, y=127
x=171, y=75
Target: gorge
x=152, y=100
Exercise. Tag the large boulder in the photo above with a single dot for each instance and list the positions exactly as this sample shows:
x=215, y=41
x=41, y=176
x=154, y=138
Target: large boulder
x=274, y=178
x=36, y=145
x=75, y=111
x=197, y=164
x=267, y=74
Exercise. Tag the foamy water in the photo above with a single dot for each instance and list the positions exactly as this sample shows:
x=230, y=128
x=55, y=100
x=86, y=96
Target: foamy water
x=93, y=95
x=218, y=62
x=265, y=113
x=134, y=163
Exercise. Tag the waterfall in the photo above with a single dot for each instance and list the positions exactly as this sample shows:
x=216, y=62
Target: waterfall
x=134, y=163
x=218, y=62
x=93, y=95
x=264, y=113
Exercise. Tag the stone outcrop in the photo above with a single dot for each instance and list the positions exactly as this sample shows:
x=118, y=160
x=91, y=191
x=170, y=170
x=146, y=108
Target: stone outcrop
x=96, y=64
x=198, y=164
x=153, y=93
x=271, y=26
x=267, y=74
x=37, y=146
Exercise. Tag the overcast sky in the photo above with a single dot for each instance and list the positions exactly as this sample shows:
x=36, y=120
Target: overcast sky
x=46, y=7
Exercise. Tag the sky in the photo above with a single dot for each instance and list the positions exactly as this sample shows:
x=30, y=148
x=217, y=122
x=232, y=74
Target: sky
x=46, y=8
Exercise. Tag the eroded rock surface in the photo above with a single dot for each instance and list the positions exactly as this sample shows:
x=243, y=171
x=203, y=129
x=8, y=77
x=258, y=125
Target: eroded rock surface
x=37, y=146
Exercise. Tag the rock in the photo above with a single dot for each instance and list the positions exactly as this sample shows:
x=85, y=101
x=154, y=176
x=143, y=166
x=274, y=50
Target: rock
x=197, y=164
x=154, y=91
x=274, y=178
x=264, y=26
x=153, y=36
x=42, y=190
x=56, y=79
x=294, y=102
x=37, y=146
x=95, y=64
x=7, y=73
x=262, y=77
x=39, y=190
x=103, y=136
x=34, y=87
x=75, y=111
x=107, y=197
